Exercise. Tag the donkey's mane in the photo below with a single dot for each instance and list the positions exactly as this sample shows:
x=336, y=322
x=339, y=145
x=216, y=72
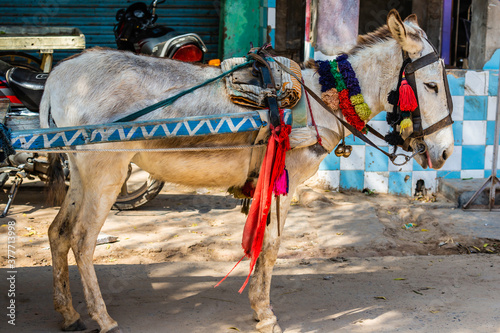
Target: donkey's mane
x=364, y=41
x=372, y=38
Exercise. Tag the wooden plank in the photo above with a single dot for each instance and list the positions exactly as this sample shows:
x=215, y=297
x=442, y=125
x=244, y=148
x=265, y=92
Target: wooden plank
x=46, y=138
x=49, y=138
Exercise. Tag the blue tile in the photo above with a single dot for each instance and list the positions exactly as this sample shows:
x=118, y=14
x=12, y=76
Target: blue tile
x=448, y=174
x=494, y=61
x=380, y=116
x=490, y=133
x=331, y=162
x=493, y=85
x=352, y=179
x=375, y=160
x=473, y=157
x=352, y=140
x=417, y=167
x=487, y=173
x=456, y=85
x=272, y=34
x=400, y=183
x=271, y=3
x=458, y=132
x=475, y=107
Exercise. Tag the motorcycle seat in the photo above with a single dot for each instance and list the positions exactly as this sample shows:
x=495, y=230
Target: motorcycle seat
x=27, y=85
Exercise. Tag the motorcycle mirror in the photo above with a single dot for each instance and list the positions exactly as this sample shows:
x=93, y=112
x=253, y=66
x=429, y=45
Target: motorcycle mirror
x=119, y=14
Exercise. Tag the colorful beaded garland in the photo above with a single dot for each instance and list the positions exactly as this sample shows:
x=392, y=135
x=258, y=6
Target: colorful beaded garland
x=338, y=78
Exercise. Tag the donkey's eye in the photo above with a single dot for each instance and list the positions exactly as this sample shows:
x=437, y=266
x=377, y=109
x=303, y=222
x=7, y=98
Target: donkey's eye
x=432, y=86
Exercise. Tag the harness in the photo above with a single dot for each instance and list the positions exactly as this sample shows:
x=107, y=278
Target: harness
x=409, y=67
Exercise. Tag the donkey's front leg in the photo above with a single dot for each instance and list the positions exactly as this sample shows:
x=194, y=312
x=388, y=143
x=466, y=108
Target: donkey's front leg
x=260, y=285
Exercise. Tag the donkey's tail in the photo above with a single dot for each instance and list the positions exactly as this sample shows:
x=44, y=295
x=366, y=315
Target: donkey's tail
x=45, y=108
x=56, y=184
x=55, y=174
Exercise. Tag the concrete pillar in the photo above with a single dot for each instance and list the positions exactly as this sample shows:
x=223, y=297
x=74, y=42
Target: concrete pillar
x=240, y=22
x=337, y=25
x=484, y=32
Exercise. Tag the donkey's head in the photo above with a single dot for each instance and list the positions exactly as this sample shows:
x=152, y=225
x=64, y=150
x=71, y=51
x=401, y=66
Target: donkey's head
x=427, y=75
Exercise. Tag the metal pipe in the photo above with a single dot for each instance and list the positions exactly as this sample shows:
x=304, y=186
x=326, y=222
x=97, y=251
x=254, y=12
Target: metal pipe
x=494, y=178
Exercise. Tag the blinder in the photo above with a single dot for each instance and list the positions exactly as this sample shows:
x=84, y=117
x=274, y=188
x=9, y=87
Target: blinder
x=418, y=131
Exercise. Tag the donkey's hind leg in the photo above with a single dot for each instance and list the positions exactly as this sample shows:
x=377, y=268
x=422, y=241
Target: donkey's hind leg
x=101, y=177
x=96, y=181
x=260, y=285
x=59, y=237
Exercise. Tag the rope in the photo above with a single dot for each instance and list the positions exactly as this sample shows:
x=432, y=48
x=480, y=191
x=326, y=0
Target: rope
x=312, y=116
x=171, y=100
x=5, y=144
x=122, y=150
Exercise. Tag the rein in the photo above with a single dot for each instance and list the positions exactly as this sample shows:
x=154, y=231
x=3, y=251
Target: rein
x=172, y=99
x=352, y=129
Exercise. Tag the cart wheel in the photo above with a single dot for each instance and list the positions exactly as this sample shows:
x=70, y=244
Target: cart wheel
x=138, y=189
x=22, y=60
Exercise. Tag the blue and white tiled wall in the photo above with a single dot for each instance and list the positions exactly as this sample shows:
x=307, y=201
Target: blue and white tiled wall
x=474, y=96
x=270, y=13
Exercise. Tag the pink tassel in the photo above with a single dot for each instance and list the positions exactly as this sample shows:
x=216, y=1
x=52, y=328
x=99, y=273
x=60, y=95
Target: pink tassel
x=281, y=185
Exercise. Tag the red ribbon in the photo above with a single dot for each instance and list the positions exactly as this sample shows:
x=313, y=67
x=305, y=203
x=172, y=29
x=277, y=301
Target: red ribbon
x=272, y=167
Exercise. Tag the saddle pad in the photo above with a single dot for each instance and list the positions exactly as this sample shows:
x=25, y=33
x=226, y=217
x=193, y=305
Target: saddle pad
x=244, y=88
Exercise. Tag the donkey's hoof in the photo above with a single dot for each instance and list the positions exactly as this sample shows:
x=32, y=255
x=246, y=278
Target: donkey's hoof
x=76, y=326
x=269, y=326
x=115, y=330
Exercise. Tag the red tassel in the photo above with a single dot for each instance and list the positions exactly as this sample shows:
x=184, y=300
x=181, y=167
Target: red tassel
x=407, y=100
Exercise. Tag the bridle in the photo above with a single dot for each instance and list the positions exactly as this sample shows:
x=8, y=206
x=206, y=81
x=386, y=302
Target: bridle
x=418, y=131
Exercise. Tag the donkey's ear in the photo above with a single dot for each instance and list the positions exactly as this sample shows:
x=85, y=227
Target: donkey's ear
x=406, y=36
x=396, y=26
x=412, y=19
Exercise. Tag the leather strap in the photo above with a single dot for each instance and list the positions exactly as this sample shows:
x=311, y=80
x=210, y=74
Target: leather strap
x=268, y=82
x=421, y=62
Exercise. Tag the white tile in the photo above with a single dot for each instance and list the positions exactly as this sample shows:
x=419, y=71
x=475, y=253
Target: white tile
x=356, y=161
x=271, y=17
x=488, y=158
x=472, y=174
x=454, y=162
x=326, y=179
x=492, y=107
x=429, y=177
x=377, y=181
x=380, y=126
x=404, y=168
x=458, y=107
x=476, y=83
x=474, y=132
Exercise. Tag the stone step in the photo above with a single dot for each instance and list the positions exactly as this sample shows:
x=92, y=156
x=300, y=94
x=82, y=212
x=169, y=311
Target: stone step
x=462, y=190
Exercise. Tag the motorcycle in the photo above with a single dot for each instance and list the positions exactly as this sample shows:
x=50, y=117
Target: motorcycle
x=135, y=31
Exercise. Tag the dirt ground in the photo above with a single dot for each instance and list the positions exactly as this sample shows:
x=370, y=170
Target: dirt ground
x=365, y=263
x=206, y=225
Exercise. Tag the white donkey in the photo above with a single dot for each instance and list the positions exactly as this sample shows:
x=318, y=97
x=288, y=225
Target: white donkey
x=101, y=86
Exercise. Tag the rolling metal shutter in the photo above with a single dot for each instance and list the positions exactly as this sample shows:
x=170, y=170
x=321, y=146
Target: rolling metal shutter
x=96, y=18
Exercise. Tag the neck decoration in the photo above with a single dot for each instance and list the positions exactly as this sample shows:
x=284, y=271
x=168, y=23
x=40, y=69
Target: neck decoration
x=340, y=88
